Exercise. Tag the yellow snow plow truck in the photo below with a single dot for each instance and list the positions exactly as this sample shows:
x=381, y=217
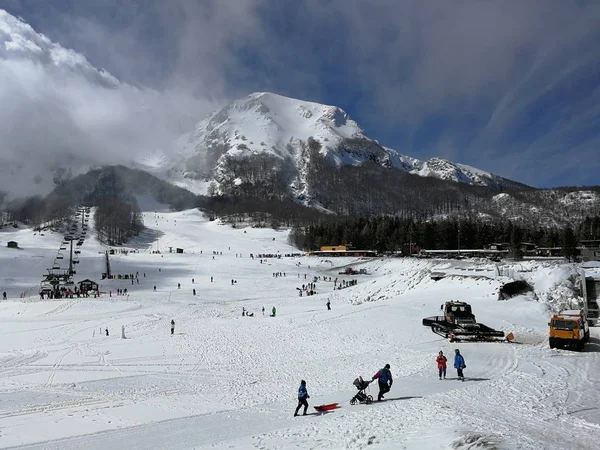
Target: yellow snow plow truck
x=569, y=329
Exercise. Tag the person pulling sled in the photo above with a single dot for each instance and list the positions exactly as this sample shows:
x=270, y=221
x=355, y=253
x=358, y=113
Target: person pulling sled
x=302, y=398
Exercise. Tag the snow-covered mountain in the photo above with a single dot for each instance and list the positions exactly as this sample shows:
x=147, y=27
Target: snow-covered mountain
x=277, y=127
x=67, y=116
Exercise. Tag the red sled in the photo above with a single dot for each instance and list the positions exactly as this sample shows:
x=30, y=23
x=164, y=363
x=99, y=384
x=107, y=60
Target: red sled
x=329, y=407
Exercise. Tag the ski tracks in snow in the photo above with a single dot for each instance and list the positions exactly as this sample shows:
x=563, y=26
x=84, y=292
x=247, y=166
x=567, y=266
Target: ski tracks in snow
x=57, y=365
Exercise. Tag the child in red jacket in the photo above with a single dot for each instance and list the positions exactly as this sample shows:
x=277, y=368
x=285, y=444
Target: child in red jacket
x=441, y=362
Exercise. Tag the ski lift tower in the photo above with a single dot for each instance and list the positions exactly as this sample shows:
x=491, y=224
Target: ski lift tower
x=71, y=258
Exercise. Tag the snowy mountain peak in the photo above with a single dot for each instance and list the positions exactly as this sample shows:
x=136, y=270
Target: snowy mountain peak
x=275, y=126
x=263, y=123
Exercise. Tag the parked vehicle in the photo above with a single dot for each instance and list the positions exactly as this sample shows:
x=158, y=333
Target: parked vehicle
x=569, y=329
x=458, y=323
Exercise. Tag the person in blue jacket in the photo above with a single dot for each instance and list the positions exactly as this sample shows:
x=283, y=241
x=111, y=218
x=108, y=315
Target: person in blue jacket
x=302, y=398
x=384, y=378
x=459, y=364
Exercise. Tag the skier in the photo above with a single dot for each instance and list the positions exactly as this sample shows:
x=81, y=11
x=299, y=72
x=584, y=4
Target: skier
x=106, y=331
x=459, y=364
x=194, y=291
x=385, y=380
x=302, y=398
x=263, y=310
x=328, y=305
x=441, y=363
x=211, y=279
x=273, y=312
x=172, y=327
x=178, y=285
x=4, y=295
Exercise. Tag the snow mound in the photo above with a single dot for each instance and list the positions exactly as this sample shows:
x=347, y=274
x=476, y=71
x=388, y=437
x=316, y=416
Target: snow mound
x=476, y=441
x=555, y=285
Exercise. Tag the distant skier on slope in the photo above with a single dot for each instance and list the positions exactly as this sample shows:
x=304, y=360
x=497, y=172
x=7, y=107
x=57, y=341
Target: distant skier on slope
x=328, y=305
x=302, y=398
x=385, y=380
x=459, y=364
x=273, y=311
x=441, y=363
x=172, y=326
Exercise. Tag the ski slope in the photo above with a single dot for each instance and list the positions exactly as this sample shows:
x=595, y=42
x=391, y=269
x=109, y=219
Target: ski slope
x=227, y=381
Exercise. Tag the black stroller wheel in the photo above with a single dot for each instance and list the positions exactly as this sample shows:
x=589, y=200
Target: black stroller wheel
x=353, y=401
x=369, y=399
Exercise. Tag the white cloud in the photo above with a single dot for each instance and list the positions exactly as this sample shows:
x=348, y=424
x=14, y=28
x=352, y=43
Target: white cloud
x=57, y=110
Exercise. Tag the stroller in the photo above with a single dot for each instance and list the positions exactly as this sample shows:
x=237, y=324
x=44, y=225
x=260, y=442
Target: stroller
x=361, y=396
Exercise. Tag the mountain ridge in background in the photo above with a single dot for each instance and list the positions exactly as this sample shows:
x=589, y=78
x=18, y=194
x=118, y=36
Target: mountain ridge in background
x=263, y=146
x=274, y=126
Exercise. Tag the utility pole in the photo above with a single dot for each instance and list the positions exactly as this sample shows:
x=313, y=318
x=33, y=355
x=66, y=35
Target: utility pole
x=459, y=238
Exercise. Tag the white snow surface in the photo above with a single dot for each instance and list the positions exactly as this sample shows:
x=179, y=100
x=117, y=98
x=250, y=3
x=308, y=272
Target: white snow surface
x=227, y=381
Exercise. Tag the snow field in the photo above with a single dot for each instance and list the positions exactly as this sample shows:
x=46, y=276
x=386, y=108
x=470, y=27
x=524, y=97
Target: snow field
x=227, y=381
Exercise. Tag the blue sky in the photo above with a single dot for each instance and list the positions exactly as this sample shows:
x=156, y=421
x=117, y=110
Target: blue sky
x=512, y=87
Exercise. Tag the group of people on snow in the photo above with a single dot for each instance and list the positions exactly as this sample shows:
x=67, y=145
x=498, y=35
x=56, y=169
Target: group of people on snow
x=459, y=364
x=385, y=379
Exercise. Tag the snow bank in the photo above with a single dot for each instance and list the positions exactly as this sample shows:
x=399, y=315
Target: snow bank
x=555, y=284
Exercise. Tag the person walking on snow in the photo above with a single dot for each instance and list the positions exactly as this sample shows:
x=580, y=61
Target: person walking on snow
x=302, y=398
x=385, y=380
x=273, y=312
x=441, y=363
x=172, y=327
x=459, y=364
x=328, y=305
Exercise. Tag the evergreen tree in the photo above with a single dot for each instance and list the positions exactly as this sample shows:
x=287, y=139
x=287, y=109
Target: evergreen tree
x=569, y=243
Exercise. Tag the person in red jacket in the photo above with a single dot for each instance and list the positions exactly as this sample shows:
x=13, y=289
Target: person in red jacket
x=441, y=363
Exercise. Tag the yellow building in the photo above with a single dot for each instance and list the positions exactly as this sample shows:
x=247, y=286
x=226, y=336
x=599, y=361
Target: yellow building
x=334, y=248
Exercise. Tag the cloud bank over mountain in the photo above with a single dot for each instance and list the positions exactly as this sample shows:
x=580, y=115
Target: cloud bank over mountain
x=58, y=110
x=501, y=86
